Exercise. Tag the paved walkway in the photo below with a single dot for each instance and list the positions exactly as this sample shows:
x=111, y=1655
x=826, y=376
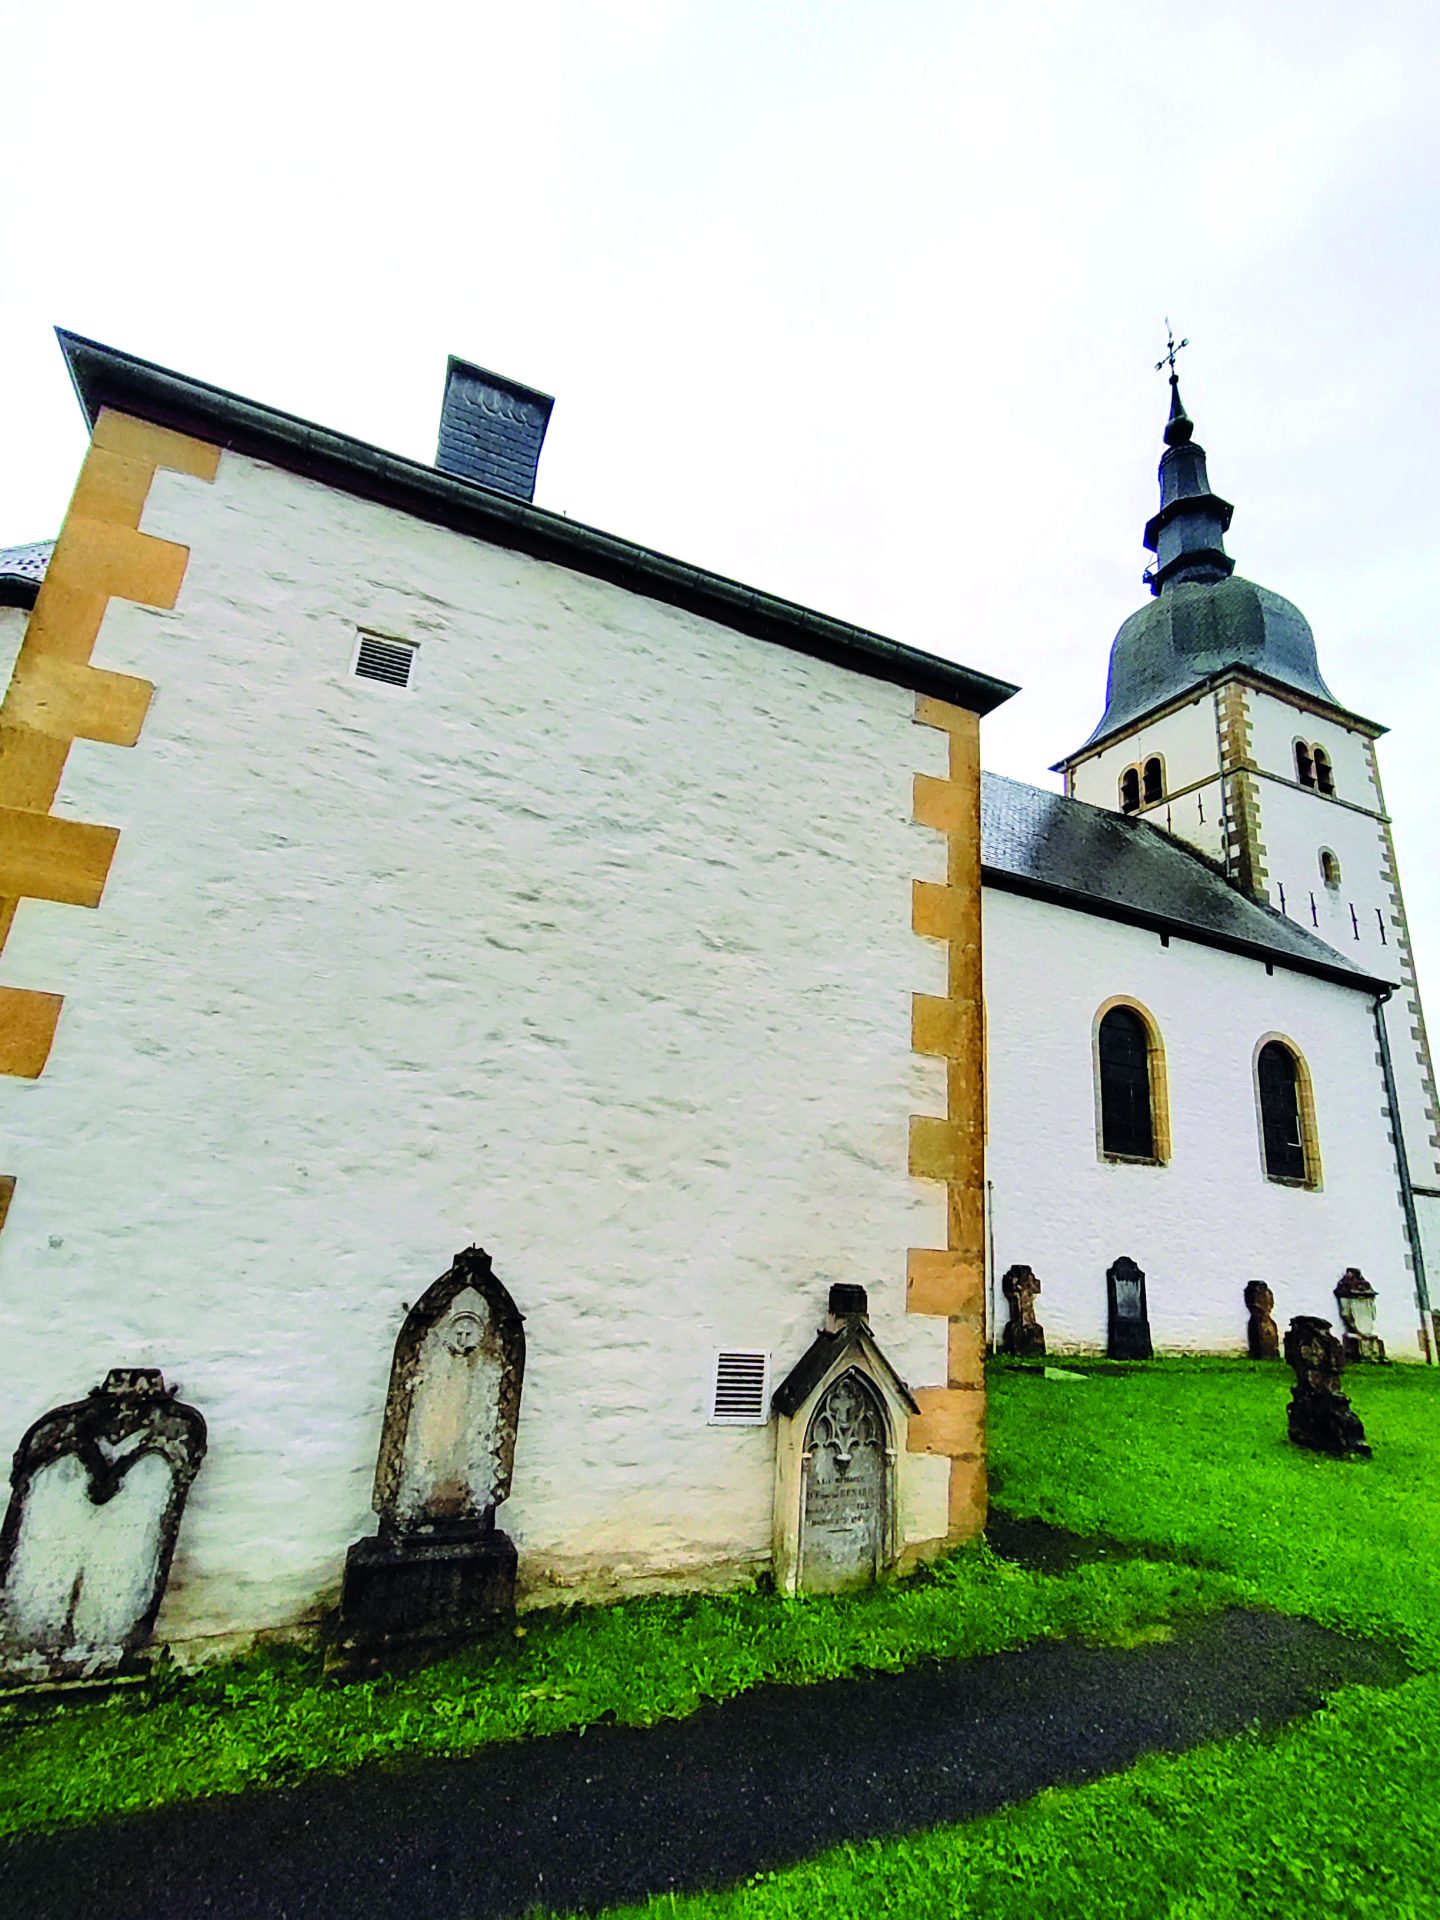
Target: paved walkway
x=589, y=1820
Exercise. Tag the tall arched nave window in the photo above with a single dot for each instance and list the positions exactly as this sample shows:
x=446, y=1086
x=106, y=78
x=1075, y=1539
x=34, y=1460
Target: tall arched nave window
x=1134, y=1112
x=1289, y=1144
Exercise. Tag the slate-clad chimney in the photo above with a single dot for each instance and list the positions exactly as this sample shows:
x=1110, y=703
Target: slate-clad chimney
x=491, y=429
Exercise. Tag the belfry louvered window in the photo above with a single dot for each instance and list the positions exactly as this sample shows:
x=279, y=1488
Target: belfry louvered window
x=1127, y=1117
x=1280, y=1119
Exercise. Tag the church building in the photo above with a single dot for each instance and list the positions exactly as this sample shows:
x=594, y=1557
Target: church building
x=567, y=1051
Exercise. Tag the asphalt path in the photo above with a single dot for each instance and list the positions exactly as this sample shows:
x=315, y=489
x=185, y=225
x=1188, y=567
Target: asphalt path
x=582, y=1821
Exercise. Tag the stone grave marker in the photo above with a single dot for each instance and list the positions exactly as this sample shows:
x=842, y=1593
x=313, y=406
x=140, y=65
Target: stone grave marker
x=1023, y=1335
x=844, y=1523
x=447, y=1450
x=1320, y=1415
x=1129, y=1330
x=1262, y=1333
x=97, y=1491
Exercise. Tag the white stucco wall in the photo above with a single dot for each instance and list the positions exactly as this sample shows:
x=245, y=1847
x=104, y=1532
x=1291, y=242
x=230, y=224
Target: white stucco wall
x=1187, y=742
x=12, y=632
x=1210, y=1221
x=594, y=947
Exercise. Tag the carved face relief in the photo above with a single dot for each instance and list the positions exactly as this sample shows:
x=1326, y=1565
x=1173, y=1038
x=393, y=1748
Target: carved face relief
x=462, y=1333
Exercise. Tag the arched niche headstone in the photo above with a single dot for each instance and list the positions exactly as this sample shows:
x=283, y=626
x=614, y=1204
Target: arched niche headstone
x=98, y=1488
x=1129, y=1332
x=447, y=1449
x=841, y=1414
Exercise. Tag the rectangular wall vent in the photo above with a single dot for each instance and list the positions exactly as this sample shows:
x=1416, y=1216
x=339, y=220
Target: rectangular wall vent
x=741, y=1396
x=379, y=659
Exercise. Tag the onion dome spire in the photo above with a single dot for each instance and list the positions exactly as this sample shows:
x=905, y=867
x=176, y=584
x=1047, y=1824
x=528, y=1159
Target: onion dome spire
x=1187, y=535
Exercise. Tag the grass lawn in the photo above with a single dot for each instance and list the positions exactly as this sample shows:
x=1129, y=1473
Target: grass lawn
x=1338, y=1815
x=1335, y=1816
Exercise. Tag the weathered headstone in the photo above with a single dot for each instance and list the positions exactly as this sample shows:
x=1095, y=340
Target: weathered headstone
x=1355, y=1301
x=1023, y=1335
x=447, y=1450
x=838, y=1412
x=97, y=1491
x=1129, y=1318
x=843, y=1525
x=1320, y=1415
x=1262, y=1332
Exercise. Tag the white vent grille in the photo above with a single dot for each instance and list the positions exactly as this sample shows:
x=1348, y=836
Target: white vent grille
x=379, y=659
x=741, y=1397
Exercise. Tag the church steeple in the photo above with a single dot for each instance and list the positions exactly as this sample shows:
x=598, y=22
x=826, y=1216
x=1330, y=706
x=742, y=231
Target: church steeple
x=1187, y=535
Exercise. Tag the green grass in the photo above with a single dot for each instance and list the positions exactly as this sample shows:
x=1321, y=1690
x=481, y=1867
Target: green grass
x=1338, y=1815
x=266, y=1722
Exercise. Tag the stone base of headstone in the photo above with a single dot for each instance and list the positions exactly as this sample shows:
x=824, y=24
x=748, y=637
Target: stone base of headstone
x=432, y=1586
x=1264, y=1339
x=1129, y=1340
x=1367, y=1348
x=1024, y=1343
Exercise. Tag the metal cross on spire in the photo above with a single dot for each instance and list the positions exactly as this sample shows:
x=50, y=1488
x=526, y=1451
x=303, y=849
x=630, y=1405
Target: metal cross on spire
x=1172, y=347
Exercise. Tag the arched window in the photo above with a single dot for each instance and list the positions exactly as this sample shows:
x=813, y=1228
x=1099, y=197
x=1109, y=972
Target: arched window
x=1287, y=1115
x=1324, y=772
x=1304, y=765
x=1130, y=1069
x=1130, y=791
x=1154, y=780
x=1329, y=868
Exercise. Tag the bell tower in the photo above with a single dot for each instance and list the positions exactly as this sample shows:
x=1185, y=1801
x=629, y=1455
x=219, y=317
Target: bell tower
x=1220, y=730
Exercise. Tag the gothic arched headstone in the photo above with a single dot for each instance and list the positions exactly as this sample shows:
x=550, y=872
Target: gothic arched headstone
x=447, y=1450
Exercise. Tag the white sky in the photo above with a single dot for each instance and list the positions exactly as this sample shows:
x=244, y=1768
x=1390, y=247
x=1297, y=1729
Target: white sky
x=858, y=302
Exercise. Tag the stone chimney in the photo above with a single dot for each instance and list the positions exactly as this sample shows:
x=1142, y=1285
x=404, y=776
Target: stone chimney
x=491, y=429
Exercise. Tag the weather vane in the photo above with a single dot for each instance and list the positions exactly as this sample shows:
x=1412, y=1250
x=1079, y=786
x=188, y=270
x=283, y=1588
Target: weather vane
x=1172, y=347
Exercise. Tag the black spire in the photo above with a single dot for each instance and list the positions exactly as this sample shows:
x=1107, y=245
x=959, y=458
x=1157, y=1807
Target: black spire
x=1187, y=535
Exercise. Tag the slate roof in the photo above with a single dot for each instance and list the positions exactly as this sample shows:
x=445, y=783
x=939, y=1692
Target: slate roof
x=103, y=377
x=21, y=571
x=1106, y=863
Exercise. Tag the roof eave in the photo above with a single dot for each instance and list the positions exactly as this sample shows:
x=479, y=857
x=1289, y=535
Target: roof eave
x=103, y=377
x=1341, y=975
x=1188, y=695
x=15, y=592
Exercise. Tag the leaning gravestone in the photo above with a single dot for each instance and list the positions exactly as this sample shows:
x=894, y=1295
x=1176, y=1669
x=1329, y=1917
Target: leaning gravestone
x=98, y=1488
x=1023, y=1335
x=843, y=1525
x=447, y=1450
x=1262, y=1333
x=1321, y=1416
x=1129, y=1331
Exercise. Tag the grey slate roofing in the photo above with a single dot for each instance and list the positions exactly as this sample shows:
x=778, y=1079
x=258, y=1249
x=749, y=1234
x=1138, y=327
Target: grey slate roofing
x=103, y=377
x=21, y=571
x=1085, y=857
x=1196, y=630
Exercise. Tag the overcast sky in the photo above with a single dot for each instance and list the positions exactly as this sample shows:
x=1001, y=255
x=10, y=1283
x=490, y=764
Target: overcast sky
x=857, y=301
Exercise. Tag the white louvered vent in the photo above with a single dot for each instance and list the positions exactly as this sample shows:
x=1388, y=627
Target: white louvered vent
x=742, y=1388
x=377, y=658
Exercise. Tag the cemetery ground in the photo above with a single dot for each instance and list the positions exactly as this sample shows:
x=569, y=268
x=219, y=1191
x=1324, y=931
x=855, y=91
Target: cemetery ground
x=1189, y=1503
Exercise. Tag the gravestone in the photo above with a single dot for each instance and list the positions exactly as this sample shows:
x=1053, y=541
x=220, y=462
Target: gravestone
x=97, y=1491
x=447, y=1450
x=844, y=1524
x=1129, y=1318
x=1355, y=1301
x=1023, y=1335
x=1262, y=1332
x=1320, y=1415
